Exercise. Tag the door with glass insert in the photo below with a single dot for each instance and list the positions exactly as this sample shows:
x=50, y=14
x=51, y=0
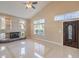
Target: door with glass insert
x=70, y=33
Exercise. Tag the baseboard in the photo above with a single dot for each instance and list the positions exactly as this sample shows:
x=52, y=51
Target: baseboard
x=51, y=42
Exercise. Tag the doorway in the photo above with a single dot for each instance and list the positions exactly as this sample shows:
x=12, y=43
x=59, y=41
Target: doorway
x=70, y=33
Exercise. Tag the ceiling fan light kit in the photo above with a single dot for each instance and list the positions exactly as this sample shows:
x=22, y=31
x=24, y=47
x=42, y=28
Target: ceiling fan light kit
x=30, y=4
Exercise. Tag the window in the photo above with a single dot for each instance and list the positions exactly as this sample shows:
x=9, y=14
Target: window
x=2, y=23
x=39, y=26
x=67, y=16
x=2, y=36
x=2, y=27
x=22, y=24
x=22, y=34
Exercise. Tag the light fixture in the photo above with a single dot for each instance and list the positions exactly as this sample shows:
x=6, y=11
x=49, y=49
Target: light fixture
x=28, y=4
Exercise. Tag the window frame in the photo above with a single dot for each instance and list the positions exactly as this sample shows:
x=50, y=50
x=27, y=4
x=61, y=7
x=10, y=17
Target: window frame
x=3, y=23
x=22, y=24
x=38, y=24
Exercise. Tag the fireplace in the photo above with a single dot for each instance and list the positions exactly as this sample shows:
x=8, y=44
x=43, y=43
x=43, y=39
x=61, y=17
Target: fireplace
x=14, y=35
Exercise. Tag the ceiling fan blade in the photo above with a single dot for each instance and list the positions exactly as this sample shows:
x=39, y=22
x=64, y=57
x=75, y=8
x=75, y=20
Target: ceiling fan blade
x=34, y=2
x=33, y=7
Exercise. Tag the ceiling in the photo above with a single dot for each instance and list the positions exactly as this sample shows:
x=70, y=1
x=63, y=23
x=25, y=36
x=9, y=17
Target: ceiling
x=17, y=8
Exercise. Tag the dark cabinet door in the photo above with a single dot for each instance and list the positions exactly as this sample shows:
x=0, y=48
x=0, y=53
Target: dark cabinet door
x=70, y=34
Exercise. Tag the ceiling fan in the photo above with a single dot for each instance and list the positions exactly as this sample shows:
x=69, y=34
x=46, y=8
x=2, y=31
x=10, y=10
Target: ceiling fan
x=30, y=4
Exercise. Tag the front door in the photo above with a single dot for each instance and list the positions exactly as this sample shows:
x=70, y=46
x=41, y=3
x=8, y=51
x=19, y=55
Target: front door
x=70, y=34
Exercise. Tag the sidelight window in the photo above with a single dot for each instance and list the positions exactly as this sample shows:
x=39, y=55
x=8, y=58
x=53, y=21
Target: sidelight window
x=70, y=32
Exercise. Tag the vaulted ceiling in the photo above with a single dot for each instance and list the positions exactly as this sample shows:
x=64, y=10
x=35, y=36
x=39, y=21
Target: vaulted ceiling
x=17, y=8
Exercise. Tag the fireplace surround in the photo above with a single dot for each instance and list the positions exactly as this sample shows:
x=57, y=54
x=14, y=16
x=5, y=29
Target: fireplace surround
x=14, y=35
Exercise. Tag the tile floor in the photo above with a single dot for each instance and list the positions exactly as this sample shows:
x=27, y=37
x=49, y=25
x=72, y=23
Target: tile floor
x=36, y=49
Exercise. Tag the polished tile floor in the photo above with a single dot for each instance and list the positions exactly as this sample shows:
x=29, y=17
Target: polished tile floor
x=36, y=49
